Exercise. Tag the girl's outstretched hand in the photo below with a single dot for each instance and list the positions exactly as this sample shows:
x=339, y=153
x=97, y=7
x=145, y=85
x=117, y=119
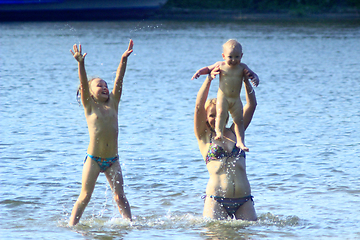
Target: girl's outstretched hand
x=129, y=50
x=77, y=53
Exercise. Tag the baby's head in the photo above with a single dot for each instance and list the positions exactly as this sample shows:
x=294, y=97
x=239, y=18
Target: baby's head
x=232, y=52
x=232, y=44
x=98, y=90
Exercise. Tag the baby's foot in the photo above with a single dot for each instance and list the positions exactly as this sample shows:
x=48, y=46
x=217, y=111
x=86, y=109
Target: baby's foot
x=218, y=136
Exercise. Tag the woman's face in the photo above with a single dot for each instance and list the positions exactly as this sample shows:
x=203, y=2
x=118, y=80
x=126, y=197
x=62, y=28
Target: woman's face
x=211, y=115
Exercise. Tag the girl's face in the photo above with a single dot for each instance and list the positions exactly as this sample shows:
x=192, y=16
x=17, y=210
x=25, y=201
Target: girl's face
x=99, y=89
x=211, y=115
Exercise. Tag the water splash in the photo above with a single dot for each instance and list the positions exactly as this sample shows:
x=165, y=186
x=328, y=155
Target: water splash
x=280, y=221
x=184, y=221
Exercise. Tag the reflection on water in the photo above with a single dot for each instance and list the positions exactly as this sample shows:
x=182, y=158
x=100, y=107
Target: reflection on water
x=304, y=137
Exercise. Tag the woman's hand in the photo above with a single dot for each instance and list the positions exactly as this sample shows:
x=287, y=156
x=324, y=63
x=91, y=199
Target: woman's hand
x=214, y=72
x=77, y=53
x=252, y=76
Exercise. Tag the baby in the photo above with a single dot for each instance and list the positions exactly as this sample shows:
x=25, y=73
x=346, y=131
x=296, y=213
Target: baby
x=232, y=73
x=101, y=112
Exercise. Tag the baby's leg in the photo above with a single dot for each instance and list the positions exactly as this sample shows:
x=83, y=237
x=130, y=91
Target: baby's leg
x=90, y=173
x=222, y=107
x=114, y=176
x=237, y=116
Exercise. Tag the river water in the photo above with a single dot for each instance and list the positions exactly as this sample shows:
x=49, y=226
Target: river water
x=304, y=139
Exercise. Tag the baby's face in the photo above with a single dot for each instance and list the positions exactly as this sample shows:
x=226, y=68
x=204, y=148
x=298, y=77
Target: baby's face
x=232, y=56
x=99, y=89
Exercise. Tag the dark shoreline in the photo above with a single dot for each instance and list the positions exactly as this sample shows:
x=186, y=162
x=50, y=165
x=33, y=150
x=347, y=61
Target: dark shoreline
x=214, y=14
x=176, y=14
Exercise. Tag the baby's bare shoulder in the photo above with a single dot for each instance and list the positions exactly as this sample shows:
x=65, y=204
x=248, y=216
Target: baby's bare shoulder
x=243, y=65
x=219, y=63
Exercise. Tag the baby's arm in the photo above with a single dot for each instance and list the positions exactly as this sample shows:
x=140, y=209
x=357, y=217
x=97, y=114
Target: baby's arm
x=121, y=72
x=85, y=93
x=204, y=70
x=252, y=76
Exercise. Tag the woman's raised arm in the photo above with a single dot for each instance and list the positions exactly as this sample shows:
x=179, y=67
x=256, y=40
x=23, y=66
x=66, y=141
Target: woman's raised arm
x=200, y=112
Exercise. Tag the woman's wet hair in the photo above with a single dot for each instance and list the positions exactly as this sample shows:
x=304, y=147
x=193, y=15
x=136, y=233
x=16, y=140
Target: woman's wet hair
x=212, y=101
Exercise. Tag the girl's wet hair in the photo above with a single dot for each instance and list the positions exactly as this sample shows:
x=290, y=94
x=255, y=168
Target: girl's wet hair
x=78, y=92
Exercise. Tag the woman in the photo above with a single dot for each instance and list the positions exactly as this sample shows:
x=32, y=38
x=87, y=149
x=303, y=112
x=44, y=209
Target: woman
x=228, y=191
